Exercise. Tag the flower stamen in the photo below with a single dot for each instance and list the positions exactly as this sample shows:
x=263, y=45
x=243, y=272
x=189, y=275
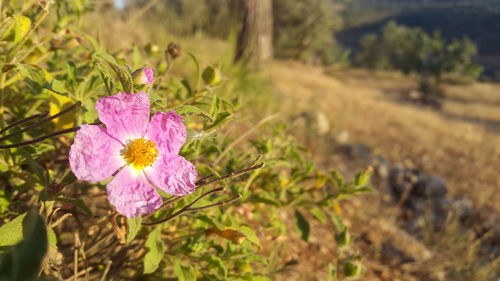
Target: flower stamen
x=140, y=153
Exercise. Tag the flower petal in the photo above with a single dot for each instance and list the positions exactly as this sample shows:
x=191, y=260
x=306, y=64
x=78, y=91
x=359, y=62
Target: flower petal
x=94, y=155
x=168, y=132
x=125, y=115
x=131, y=193
x=173, y=174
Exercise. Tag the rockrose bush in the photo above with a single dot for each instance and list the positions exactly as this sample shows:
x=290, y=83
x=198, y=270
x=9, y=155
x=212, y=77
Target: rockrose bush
x=114, y=173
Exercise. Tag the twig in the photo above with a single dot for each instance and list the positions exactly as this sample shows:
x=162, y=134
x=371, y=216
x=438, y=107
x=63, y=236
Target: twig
x=188, y=207
x=253, y=166
x=42, y=122
x=106, y=270
x=244, y=135
x=39, y=139
x=88, y=269
x=75, y=259
x=36, y=116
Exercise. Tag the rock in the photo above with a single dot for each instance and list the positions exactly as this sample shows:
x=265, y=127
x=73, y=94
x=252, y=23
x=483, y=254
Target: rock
x=430, y=187
x=401, y=182
x=381, y=165
x=463, y=209
x=356, y=151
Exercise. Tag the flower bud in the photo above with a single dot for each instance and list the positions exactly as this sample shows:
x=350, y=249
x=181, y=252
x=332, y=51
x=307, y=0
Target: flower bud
x=143, y=76
x=353, y=269
x=173, y=50
x=211, y=75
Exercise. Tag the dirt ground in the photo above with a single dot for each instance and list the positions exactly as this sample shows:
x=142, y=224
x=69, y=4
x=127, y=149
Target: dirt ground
x=459, y=142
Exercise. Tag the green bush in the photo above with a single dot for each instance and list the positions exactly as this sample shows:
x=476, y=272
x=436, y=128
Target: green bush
x=411, y=50
x=52, y=74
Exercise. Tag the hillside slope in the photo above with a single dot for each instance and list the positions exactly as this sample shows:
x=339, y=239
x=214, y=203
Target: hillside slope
x=459, y=142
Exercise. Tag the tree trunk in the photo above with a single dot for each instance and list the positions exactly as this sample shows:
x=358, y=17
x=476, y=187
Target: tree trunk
x=255, y=39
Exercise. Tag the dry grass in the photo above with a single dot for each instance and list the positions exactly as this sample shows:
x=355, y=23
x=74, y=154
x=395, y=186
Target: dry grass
x=459, y=142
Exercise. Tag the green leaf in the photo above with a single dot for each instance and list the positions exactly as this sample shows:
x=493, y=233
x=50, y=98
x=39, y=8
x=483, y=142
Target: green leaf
x=338, y=178
x=208, y=220
x=363, y=189
x=33, y=76
x=156, y=251
x=221, y=117
x=188, y=110
x=215, y=262
x=361, y=178
x=332, y=273
x=22, y=27
x=40, y=172
x=302, y=225
x=250, y=234
x=133, y=227
x=184, y=273
x=215, y=107
x=23, y=261
x=319, y=214
x=122, y=72
x=12, y=232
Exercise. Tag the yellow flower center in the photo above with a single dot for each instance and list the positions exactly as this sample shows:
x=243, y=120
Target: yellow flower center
x=140, y=153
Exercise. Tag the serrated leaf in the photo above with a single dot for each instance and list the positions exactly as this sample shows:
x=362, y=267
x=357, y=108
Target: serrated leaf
x=156, y=250
x=302, y=225
x=184, y=273
x=21, y=28
x=23, y=261
x=133, y=227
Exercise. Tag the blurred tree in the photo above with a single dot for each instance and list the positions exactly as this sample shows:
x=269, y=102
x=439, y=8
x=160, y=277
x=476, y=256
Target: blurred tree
x=412, y=50
x=255, y=36
x=305, y=30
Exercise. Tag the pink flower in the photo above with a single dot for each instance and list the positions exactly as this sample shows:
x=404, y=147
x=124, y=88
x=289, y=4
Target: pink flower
x=143, y=152
x=143, y=76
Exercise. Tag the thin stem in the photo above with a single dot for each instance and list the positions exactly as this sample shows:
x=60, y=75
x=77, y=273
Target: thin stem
x=244, y=135
x=70, y=130
x=36, y=116
x=220, y=203
x=186, y=208
x=252, y=167
x=42, y=122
